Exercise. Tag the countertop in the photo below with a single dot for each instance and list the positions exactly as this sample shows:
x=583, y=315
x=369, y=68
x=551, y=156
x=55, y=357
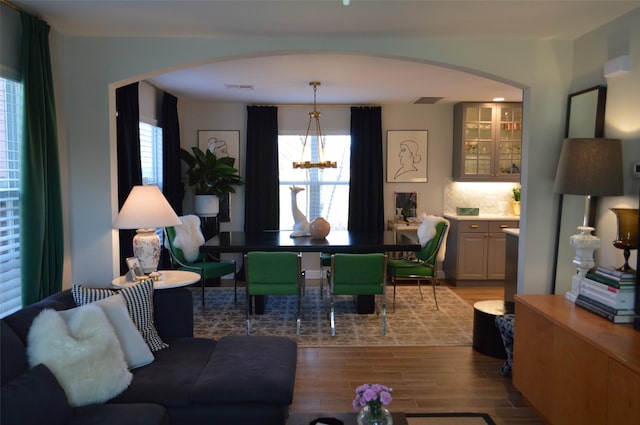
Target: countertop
x=488, y=217
x=513, y=232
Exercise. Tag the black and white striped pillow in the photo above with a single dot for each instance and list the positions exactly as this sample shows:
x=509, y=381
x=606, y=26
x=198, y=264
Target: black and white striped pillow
x=139, y=300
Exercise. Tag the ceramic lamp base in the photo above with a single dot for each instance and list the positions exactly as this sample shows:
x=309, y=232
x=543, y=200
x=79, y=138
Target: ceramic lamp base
x=146, y=246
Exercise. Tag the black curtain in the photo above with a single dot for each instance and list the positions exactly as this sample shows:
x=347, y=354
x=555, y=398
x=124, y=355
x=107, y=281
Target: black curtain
x=172, y=186
x=366, y=204
x=262, y=200
x=129, y=169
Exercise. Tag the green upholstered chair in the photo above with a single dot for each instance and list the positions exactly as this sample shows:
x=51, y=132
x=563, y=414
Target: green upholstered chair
x=358, y=274
x=206, y=265
x=274, y=273
x=423, y=266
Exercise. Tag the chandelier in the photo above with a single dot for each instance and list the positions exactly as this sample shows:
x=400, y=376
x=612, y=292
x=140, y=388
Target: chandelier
x=314, y=117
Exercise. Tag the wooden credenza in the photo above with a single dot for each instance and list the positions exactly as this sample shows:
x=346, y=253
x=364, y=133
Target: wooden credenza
x=574, y=367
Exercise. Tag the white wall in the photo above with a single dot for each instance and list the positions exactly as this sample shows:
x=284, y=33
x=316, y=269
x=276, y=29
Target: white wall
x=591, y=51
x=93, y=67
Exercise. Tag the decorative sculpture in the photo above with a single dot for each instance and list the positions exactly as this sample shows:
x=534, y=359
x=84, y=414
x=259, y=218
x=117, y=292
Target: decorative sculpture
x=319, y=228
x=301, y=224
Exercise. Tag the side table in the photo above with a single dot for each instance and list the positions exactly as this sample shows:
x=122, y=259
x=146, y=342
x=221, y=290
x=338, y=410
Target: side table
x=168, y=279
x=486, y=336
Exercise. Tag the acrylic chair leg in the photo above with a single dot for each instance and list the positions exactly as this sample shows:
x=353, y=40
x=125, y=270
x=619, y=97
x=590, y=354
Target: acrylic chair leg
x=332, y=318
x=384, y=315
x=420, y=290
x=247, y=310
x=202, y=285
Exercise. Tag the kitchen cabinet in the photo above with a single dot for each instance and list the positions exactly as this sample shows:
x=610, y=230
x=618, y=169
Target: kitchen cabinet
x=476, y=251
x=487, y=143
x=574, y=367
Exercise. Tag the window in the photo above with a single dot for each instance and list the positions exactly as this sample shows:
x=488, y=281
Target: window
x=326, y=191
x=151, y=153
x=10, y=137
x=151, y=157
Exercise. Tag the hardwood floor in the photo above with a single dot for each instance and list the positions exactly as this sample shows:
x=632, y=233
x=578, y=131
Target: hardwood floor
x=424, y=379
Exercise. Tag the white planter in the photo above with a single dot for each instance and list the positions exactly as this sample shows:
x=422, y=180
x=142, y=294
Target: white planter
x=206, y=205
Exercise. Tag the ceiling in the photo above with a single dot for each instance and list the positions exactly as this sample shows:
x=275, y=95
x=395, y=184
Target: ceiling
x=345, y=78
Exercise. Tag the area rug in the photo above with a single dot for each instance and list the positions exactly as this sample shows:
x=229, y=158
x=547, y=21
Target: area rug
x=415, y=321
x=449, y=419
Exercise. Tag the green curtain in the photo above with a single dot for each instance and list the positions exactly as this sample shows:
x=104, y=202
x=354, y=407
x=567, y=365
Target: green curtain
x=41, y=233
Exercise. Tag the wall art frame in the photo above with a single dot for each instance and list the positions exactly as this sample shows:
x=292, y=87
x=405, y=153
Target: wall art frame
x=222, y=143
x=407, y=154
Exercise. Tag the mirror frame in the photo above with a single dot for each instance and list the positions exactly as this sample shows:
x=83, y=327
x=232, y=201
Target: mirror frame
x=583, y=107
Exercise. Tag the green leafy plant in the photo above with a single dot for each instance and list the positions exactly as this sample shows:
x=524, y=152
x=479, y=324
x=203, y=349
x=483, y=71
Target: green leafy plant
x=516, y=193
x=209, y=175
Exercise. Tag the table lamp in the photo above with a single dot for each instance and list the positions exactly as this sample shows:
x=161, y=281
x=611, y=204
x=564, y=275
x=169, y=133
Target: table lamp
x=588, y=167
x=146, y=209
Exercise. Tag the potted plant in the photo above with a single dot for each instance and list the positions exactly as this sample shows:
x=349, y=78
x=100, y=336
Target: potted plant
x=210, y=178
x=516, y=200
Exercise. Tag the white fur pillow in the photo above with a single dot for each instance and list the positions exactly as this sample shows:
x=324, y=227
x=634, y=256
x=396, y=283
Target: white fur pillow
x=189, y=237
x=83, y=354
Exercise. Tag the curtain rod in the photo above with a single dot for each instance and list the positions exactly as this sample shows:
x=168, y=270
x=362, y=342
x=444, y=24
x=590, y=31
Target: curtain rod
x=17, y=8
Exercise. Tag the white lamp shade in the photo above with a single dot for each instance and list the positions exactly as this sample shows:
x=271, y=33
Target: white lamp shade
x=146, y=207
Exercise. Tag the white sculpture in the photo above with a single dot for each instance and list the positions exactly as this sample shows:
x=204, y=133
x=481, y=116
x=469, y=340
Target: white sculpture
x=301, y=224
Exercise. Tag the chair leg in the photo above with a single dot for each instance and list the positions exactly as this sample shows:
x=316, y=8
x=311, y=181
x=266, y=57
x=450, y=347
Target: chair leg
x=235, y=290
x=435, y=298
x=384, y=314
x=332, y=318
x=393, y=280
x=420, y=290
x=202, y=285
x=247, y=310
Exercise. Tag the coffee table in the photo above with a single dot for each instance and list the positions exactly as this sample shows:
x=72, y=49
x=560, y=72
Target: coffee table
x=168, y=279
x=348, y=418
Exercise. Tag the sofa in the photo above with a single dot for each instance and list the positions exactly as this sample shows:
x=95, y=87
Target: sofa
x=236, y=380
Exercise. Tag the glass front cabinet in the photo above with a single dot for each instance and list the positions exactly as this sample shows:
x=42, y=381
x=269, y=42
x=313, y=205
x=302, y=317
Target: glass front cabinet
x=487, y=141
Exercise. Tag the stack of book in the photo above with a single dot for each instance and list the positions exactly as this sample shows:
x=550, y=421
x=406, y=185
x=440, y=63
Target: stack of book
x=609, y=293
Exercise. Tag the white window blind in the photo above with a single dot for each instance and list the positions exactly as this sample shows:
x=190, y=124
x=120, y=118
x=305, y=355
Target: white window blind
x=10, y=137
x=326, y=191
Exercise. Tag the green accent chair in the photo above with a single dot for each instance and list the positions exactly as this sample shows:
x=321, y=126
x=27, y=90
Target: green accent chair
x=274, y=273
x=422, y=267
x=206, y=265
x=358, y=274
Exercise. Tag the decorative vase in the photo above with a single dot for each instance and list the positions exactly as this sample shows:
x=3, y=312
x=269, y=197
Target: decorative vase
x=369, y=416
x=516, y=208
x=319, y=228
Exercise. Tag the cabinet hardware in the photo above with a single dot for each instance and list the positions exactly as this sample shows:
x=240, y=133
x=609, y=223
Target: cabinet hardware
x=473, y=226
x=504, y=226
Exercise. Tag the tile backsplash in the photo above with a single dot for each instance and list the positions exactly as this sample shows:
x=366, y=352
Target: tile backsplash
x=491, y=198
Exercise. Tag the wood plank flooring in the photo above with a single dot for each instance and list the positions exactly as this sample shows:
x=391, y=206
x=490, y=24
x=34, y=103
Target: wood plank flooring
x=424, y=379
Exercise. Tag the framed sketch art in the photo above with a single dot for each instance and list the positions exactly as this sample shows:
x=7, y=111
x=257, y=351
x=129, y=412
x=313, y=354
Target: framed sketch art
x=223, y=143
x=406, y=156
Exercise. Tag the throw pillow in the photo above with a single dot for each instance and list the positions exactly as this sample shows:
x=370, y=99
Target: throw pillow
x=83, y=354
x=139, y=299
x=135, y=349
x=34, y=398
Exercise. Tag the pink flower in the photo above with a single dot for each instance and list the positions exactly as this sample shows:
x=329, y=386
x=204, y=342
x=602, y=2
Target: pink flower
x=374, y=396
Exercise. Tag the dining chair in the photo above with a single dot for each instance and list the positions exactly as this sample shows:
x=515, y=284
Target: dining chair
x=274, y=273
x=423, y=265
x=325, y=270
x=206, y=265
x=358, y=274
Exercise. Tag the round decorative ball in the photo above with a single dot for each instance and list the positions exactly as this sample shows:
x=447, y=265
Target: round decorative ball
x=319, y=228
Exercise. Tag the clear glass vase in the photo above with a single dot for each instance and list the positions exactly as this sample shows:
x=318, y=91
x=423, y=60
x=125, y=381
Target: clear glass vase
x=379, y=416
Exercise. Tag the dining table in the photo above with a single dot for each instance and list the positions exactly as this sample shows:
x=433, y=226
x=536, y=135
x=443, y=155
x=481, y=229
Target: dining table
x=337, y=241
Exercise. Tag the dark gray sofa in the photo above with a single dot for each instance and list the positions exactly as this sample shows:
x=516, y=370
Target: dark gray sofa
x=236, y=380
